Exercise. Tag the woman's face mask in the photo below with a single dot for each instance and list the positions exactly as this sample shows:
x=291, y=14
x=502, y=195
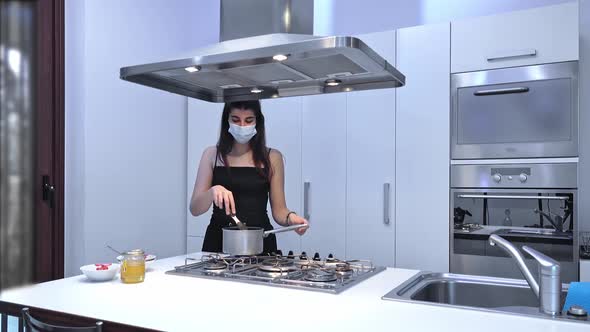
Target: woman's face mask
x=242, y=134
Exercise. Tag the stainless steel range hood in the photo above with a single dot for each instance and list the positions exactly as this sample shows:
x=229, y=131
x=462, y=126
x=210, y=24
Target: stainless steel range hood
x=272, y=65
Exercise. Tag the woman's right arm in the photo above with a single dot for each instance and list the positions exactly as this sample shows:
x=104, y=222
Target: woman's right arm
x=201, y=199
x=203, y=193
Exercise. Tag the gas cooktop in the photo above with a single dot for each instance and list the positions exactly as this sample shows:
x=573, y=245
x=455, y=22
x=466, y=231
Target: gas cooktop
x=329, y=275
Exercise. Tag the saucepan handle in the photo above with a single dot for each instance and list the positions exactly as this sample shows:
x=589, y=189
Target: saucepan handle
x=284, y=229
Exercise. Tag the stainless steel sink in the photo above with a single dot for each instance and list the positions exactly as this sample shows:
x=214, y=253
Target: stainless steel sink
x=472, y=292
x=482, y=295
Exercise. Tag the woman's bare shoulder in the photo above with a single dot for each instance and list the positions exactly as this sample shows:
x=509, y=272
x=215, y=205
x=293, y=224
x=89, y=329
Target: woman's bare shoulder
x=276, y=157
x=209, y=154
x=210, y=150
x=275, y=154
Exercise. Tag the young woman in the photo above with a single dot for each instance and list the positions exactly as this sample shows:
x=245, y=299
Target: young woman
x=239, y=175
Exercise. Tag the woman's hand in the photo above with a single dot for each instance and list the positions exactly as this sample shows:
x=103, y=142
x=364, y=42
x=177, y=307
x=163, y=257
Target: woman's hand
x=297, y=220
x=223, y=199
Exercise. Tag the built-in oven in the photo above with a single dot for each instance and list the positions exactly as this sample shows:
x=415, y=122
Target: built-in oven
x=520, y=112
x=527, y=204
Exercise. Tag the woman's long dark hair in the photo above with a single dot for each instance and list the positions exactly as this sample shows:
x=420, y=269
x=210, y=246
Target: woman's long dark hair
x=257, y=143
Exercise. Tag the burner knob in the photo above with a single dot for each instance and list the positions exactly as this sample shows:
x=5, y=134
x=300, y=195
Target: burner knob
x=522, y=177
x=497, y=177
x=290, y=255
x=316, y=257
x=303, y=255
x=279, y=253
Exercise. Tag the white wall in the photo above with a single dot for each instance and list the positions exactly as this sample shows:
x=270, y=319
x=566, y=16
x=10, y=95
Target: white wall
x=350, y=17
x=126, y=143
x=436, y=11
x=74, y=136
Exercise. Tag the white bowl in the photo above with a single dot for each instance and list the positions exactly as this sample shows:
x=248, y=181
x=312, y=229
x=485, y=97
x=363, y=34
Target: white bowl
x=93, y=271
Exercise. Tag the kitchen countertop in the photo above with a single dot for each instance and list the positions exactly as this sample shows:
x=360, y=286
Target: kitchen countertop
x=177, y=303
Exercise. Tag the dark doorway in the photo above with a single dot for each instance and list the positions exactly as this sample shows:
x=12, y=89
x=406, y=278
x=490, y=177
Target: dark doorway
x=31, y=141
x=49, y=197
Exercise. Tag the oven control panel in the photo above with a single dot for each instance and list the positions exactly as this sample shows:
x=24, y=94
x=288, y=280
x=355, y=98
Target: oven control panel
x=510, y=174
x=549, y=175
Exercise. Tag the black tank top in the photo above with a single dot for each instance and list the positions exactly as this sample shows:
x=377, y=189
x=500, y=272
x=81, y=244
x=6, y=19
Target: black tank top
x=250, y=190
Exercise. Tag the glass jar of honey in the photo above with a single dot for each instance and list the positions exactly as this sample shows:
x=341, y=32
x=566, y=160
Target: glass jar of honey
x=133, y=267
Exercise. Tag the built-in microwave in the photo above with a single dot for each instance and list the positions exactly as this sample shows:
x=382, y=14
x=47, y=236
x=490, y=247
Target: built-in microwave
x=519, y=112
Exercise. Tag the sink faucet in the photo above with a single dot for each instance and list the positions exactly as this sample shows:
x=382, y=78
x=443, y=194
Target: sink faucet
x=549, y=288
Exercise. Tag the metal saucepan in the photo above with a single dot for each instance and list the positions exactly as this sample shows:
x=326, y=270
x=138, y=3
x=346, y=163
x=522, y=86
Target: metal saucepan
x=249, y=241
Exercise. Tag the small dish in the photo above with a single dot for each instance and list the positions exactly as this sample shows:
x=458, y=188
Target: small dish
x=100, y=272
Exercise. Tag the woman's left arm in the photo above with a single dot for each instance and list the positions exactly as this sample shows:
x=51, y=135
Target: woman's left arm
x=277, y=194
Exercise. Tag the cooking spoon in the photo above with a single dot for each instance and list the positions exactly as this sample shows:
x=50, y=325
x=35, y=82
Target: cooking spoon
x=115, y=250
x=238, y=222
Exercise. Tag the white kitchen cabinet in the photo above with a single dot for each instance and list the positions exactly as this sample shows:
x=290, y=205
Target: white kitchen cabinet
x=194, y=244
x=324, y=170
x=283, y=132
x=370, y=166
x=422, y=149
x=203, y=123
x=534, y=36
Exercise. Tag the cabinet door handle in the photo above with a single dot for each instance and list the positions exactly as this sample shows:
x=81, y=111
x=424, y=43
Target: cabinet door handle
x=306, y=187
x=521, y=89
x=512, y=54
x=559, y=198
x=386, y=217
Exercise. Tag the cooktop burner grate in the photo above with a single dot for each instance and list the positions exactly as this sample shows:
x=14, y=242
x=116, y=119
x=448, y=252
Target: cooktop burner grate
x=329, y=275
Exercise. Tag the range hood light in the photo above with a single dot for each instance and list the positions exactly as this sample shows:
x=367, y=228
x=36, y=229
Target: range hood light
x=281, y=81
x=342, y=74
x=280, y=57
x=333, y=82
x=230, y=86
x=256, y=90
x=347, y=89
x=192, y=69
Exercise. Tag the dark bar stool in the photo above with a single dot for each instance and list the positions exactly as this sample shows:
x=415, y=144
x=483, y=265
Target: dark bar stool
x=34, y=325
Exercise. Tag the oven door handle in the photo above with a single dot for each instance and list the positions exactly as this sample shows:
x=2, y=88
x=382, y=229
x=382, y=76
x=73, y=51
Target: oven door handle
x=506, y=91
x=560, y=198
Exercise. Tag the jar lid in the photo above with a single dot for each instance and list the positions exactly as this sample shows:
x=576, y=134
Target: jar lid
x=135, y=252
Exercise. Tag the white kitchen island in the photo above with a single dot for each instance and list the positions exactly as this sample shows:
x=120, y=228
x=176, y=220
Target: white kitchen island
x=178, y=303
